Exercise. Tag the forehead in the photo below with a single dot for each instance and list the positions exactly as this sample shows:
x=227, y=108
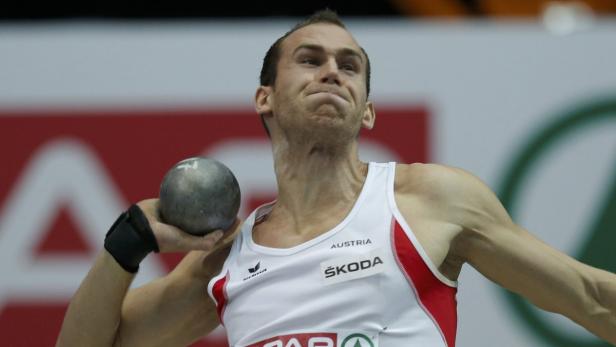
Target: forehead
x=329, y=36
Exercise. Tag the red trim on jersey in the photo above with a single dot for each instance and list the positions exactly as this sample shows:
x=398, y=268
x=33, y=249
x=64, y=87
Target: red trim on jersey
x=437, y=299
x=219, y=290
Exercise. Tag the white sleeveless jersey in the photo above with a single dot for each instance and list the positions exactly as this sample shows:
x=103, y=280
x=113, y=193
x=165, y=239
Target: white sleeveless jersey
x=365, y=283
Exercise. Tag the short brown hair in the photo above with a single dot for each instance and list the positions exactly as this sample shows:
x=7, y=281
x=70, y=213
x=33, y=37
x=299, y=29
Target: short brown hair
x=270, y=62
x=269, y=68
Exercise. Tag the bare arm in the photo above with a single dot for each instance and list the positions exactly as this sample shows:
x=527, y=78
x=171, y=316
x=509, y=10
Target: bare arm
x=510, y=256
x=173, y=310
x=94, y=322
x=102, y=313
x=516, y=260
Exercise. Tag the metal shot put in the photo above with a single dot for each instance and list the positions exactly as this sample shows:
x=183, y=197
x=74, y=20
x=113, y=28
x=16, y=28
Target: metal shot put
x=199, y=195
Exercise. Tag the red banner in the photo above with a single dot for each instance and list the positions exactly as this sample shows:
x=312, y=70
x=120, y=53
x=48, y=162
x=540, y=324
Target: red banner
x=66, y=174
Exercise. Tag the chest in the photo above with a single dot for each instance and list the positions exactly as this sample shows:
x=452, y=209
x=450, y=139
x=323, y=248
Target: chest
x=341, y=282
x=277, y=231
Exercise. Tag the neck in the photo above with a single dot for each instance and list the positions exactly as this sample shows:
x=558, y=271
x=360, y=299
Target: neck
x=313, y=179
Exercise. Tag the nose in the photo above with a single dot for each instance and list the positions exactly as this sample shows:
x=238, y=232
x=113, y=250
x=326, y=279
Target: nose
x=329, y=72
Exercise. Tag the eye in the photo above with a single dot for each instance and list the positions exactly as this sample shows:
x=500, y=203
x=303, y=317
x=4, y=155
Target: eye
x=348, y=67
x=309, y=61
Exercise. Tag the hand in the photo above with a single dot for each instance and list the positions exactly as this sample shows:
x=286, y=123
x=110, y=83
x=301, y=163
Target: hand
x=172, y=239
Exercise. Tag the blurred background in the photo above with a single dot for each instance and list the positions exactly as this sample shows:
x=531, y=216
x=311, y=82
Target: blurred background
x=99, y=99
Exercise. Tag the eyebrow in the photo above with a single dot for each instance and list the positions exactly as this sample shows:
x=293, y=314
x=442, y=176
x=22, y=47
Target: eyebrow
x=343, y=51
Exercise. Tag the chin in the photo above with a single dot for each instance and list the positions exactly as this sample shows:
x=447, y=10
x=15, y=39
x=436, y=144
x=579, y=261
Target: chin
x=328, y=111
x=330, y=129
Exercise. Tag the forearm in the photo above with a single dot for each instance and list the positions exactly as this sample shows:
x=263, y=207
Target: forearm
x=171, y=311
x=174, y=309
x=93, y=315
x=601, y=313
x=548, y=278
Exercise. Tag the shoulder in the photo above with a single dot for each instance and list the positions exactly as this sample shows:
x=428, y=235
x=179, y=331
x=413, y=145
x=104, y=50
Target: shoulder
x=433, y=179
x=453, y=194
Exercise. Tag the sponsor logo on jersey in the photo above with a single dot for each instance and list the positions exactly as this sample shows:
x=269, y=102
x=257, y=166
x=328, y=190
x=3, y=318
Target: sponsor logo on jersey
x=300, y=340
x=357, y=340
x=351, y=243
x=352, y=267
x=255, y=271
x=320, y=339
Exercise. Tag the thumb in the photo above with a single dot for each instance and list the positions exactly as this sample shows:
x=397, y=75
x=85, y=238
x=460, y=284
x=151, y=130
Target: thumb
x=188, y=242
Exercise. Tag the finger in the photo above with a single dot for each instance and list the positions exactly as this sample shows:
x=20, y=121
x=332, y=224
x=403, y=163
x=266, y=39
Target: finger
x=188, y=242
x=170, y=238
x=230, y=234
x=211, y=239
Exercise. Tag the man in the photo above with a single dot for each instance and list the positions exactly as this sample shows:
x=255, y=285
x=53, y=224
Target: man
x=349, y=254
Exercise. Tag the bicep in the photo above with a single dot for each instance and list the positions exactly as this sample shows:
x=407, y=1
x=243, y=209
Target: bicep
x=171, y=311
x=492, y=243
x=516, y=260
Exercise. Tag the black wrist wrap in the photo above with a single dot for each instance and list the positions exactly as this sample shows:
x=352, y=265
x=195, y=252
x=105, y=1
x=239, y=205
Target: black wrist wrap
x=130, y=239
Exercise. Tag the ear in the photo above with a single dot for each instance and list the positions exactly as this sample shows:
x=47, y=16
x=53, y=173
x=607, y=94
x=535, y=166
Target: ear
x=263, y=98
x=369, y=116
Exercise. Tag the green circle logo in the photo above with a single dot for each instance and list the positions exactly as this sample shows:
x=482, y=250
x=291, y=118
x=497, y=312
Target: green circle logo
x=357, y=340
x=597, y=249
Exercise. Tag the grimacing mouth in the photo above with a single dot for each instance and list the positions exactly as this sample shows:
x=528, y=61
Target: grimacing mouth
x=329, y=90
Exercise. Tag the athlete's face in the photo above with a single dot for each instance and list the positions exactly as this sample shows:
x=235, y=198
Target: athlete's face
x=320, y=86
